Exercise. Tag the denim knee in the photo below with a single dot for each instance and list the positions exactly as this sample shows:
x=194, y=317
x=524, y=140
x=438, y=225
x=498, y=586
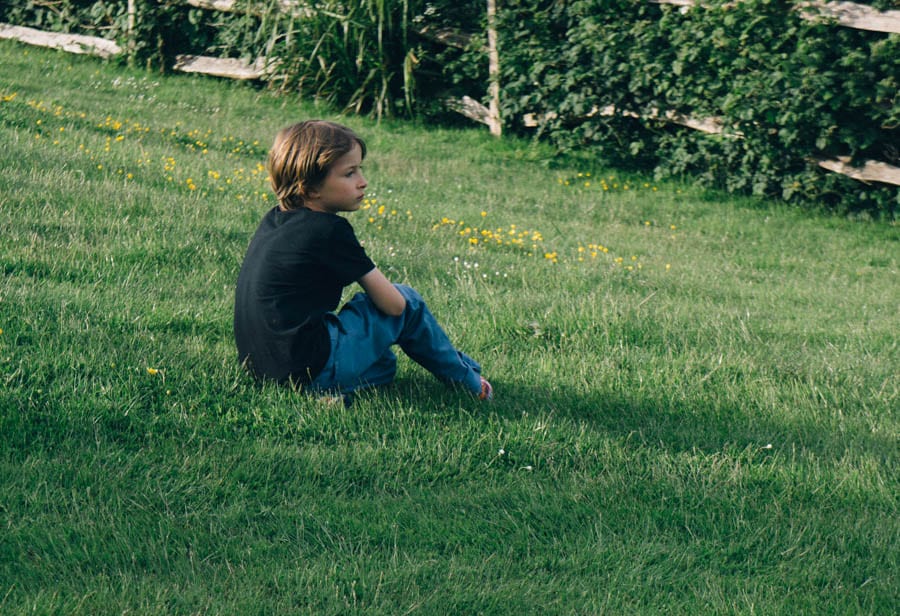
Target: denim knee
x=412, y=297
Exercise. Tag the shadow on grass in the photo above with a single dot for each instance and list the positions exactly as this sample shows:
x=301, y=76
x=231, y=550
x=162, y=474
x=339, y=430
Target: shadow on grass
x=704, y=424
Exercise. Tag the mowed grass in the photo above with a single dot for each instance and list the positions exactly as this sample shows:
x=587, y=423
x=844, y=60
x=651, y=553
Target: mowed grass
x=696, y=394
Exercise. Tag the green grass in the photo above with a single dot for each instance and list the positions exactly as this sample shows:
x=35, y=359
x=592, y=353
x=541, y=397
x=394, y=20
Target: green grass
x=696, y=395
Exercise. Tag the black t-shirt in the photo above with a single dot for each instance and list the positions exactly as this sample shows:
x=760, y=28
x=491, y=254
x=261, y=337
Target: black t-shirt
x=293, y=274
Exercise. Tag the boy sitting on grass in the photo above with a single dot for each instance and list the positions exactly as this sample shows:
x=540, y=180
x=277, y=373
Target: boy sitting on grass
x=302, y=256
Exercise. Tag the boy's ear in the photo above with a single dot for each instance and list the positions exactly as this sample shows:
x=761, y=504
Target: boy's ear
x=307, y=192
x=303, y=193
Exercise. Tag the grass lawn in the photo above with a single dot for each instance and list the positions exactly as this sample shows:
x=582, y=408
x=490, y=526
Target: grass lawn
x=696, y=395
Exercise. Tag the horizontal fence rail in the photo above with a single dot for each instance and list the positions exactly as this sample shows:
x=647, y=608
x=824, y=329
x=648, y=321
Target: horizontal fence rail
x=293, y=8
x=846, y=14
x=72, y=43
x=230, y=68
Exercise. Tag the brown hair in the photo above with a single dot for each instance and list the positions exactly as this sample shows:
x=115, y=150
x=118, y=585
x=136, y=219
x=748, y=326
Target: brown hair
x=302, y=155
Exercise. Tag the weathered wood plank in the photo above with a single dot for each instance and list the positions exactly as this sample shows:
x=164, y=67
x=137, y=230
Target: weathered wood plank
x=470, y=108
x=226, y=6
x=72, y=43
x=232, y=68
x=446, y=36
x=712, y=126
x=853, y=15
x=295, y=8
x=870, y=171
x=849, y=14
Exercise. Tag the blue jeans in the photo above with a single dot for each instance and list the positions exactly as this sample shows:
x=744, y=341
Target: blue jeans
x=361, y=340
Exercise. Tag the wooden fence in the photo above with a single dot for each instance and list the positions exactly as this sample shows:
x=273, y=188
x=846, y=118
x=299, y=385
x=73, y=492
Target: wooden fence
x=846, y=14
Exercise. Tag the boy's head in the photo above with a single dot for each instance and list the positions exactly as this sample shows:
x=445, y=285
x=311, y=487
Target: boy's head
x=301, y=156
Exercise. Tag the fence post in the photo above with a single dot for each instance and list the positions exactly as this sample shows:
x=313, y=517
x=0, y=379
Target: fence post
x=493, y=70
x=130, y=44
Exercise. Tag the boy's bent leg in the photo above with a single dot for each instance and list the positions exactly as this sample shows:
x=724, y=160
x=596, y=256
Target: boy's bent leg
x=363, y=336
x=424, y=340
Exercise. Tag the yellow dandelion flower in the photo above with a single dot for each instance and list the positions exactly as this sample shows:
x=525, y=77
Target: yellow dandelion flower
x=152, y=371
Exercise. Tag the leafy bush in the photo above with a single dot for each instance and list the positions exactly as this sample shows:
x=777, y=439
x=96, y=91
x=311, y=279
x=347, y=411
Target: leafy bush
x=786, y=91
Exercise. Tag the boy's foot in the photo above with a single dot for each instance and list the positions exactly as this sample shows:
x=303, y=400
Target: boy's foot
x=487, y=392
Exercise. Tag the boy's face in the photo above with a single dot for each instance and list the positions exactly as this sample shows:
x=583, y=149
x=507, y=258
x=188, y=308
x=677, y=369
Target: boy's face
x=344, y=187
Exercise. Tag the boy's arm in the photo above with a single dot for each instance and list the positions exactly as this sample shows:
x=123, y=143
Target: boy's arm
x=386, y=297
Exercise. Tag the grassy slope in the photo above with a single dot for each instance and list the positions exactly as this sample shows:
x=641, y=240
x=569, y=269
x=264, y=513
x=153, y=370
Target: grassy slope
x=639, y=390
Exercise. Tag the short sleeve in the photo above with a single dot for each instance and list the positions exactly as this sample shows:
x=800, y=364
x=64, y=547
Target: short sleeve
x=347, y=258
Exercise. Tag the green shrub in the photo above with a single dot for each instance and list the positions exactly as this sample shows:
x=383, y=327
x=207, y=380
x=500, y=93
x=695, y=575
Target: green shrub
x=787, y=91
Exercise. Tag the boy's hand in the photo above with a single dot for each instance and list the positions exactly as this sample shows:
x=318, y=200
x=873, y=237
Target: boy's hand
x=386, y=297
